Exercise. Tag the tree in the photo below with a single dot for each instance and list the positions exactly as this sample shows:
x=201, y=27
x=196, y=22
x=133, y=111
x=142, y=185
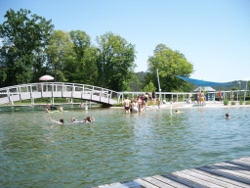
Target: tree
x=86, y=58
x=116, y=63
x=60, y=56
x=25, y=36
x=149, y=87
x=169, y=63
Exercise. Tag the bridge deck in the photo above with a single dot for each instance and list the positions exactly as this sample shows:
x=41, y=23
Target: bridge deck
x=57, y=90
x=235, y=173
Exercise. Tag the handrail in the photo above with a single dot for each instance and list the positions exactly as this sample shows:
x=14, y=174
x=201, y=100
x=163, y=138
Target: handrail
x=60, y=89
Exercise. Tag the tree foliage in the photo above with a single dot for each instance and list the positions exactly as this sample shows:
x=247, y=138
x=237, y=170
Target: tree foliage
x=25, y=36
x=60, y=56
x=116, y=63
x=149, y=87
x=31, y=48
x=86, y=58
x=169, y=63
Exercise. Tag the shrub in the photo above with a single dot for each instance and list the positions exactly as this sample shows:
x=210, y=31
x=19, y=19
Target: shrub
x=247, y=102
x=233, y=103
x=241, y=102
x=225, y=102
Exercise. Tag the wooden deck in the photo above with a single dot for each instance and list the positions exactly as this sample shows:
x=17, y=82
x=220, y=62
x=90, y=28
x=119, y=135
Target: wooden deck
x=229, y=174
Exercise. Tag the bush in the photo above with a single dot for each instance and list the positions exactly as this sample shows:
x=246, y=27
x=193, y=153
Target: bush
x=225, y=102
x=247, y=102
x=241, y=102
x=233, y=103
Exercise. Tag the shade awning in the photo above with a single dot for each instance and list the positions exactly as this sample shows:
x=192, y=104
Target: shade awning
x=203, y=82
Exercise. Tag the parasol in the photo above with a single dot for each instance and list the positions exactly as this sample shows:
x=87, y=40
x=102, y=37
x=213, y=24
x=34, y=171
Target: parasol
x=46, y=78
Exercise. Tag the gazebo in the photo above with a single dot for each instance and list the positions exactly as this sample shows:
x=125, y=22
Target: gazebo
x=209, y=96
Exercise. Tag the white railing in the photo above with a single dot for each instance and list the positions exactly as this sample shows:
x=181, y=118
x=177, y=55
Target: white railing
x=183, y=96
x=57, y=90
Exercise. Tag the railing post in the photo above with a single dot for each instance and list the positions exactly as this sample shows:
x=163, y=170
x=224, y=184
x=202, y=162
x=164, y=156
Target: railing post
x=20, y=94
x=31, y=95
x=100, y=96
x=109, y=97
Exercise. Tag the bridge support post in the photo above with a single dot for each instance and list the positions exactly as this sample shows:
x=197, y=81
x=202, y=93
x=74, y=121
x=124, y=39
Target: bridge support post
x=32, y=101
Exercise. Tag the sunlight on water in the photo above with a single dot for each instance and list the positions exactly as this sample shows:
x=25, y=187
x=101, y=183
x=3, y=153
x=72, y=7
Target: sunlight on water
x=117, y=146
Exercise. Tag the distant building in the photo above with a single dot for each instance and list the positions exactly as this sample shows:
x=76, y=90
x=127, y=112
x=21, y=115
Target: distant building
x=209, y=96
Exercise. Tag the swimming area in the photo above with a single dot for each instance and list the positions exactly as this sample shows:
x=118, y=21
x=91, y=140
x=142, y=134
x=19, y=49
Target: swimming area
x=117, y=146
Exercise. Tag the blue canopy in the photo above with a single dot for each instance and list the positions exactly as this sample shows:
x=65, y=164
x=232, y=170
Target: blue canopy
x=203, y=82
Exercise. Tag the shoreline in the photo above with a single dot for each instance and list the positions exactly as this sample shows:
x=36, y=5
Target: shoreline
x=183, y=105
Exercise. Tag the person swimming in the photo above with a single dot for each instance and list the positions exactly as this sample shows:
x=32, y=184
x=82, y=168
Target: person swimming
x=75, y=121
x=178, y=111
x=89, y=119
x=60, y=122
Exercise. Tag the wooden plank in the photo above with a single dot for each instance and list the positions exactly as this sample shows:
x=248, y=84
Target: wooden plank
x=247, y=159
x=233, y=167
x=145, y=183
x=196, y=179
x=113, y=185
x=117, y=185
x=230, y=171
x=131, y=184
x=120, y=185
x=206, y=177
x=183, y=181
x=247, y=163
x=239, y=164
x=233, y=182
x=230, y=174
x=157, y=182
x=170, y=182
x=226, y=175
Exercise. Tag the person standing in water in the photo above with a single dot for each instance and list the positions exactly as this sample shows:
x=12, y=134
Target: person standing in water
x=126, y=103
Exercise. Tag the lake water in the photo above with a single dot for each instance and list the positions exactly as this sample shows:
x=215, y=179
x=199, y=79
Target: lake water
x=34, y=152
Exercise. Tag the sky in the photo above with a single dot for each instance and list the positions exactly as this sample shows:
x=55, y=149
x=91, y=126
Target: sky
x=213, y=35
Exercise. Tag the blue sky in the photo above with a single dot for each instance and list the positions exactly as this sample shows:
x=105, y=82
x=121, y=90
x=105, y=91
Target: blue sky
x=214, y=35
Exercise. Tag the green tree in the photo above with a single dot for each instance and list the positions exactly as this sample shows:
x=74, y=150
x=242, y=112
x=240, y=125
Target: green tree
x=86, y=58
x=149, y=87
x=116, y=63
x=169, y=63
x=25, y=36
x=60, y=57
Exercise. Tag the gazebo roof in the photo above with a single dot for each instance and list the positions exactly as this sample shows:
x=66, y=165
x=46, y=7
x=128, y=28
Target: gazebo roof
x=206, y=88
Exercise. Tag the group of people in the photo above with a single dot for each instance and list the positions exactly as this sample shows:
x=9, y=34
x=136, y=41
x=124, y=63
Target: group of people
x=140, y=103
x=88, y=119
x=48, y=108
x=201, y=98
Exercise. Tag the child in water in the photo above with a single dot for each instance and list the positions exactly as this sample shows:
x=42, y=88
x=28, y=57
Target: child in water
x=88, y=119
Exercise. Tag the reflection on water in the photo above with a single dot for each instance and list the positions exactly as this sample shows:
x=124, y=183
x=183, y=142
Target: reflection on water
x=117, y=146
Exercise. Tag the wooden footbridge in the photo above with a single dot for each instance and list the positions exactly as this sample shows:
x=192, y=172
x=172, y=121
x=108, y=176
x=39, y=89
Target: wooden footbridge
x=11, y=94
x=229, y=174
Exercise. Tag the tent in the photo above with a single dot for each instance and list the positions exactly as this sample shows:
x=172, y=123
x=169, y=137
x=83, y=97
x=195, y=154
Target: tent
x=205, y=86
x=203, y=82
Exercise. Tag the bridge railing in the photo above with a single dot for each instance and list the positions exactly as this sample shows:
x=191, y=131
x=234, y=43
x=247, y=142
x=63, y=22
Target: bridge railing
x=58, y=89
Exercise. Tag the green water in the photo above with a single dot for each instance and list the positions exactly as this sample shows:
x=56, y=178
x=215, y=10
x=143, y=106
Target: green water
x=34, y=152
